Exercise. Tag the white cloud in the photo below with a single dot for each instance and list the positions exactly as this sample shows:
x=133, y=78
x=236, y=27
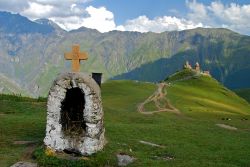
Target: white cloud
x=100, y=19
x=97, y=18
x=52, y=8
x=72, y=14
x=37, y=10
x=13, y=5
x=69, y=14
x=198, y=11
x=159, y=24
x=233, y=16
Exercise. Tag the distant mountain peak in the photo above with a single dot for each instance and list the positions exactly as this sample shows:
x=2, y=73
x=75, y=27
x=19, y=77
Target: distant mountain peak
x=48, y=22
x=85, y=29
x=17, y=24
x=31, y=53
x=212, y=31
x=44, y=21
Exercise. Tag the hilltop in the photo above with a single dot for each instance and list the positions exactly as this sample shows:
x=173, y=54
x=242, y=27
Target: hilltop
x=211, y=128
x=196, y=92
x=191, y=90
x=31, y=53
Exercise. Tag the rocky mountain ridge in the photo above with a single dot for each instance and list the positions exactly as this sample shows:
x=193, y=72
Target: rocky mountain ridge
x=31, y=53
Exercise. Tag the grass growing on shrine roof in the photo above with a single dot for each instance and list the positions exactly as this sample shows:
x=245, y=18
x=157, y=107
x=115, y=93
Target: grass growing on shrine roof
x=191, y=139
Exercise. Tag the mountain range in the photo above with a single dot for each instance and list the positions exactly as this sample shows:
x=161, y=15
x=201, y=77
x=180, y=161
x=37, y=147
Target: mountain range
x=31, y=54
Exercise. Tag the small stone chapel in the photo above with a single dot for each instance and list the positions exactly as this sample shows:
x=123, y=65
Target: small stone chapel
x=74, y=110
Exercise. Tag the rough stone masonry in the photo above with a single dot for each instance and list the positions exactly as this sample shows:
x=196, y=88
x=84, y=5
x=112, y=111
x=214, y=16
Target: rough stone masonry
x=75, y=115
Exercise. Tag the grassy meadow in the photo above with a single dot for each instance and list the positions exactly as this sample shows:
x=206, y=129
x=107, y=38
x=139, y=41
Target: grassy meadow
x=189, y=139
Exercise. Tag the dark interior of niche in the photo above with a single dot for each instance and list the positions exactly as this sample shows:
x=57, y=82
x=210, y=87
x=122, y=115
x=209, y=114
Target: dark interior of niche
x=72, y=108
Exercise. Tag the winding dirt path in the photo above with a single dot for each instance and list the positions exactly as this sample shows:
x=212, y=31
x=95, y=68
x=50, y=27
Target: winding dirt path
x=160, y=100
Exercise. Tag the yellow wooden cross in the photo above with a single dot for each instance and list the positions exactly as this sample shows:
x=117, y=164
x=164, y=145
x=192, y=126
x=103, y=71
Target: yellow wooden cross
x=76, y=57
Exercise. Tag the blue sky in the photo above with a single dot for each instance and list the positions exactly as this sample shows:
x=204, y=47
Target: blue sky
x=129, y=9
x=137, y=15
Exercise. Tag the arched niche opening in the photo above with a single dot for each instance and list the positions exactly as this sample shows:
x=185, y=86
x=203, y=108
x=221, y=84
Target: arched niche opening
x=75, y=115
x=72, y=108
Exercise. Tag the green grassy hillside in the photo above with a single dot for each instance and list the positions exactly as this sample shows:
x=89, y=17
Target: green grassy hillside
x=192, y=92
x=8, y=86
x=244, y=93
x=191, y=138
x=118, y=55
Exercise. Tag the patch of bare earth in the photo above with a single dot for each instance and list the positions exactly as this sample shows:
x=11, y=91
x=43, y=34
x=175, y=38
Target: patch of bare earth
x=24, y=164
x=2, y=114
x=30, y=148
x=151, y=144
x=159, y=97
x=226, y=126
